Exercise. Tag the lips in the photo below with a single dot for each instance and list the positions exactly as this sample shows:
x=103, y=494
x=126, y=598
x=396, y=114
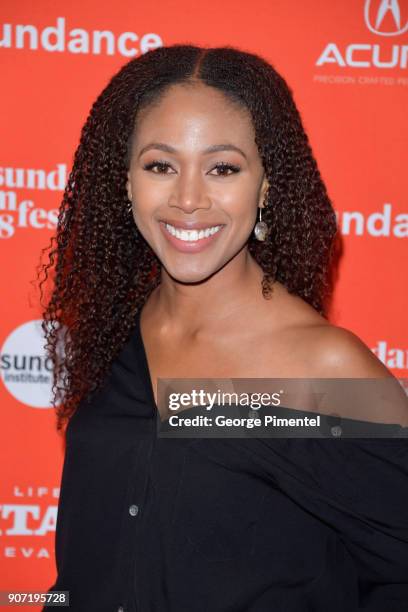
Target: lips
x=190, y=225
x=194, y=246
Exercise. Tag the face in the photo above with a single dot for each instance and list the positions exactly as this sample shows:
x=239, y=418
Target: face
x=195, y=180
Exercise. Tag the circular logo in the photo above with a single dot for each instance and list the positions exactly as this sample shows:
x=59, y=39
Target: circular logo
x=386, y=12
x=25, y=368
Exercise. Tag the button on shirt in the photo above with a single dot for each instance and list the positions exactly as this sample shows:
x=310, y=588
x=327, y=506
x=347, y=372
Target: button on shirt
x=150, y=524
x=133, y=510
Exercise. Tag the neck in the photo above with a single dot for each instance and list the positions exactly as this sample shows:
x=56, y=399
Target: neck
x=225, y=295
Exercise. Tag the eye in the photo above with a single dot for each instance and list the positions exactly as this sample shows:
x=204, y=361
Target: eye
x=162, y=165
x=225, y=168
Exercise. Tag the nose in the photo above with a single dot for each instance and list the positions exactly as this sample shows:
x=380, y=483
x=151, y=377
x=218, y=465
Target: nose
x=189, y=194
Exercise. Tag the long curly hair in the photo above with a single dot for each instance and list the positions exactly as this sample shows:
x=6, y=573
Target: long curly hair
x=102, y=268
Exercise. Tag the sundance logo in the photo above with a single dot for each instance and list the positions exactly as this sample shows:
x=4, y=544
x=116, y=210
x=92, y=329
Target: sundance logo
x=376, y=224
x=17, y=212
x=391, y=357
x=382, y=18
x=25, y=369
x=77, y=40
x=34, y=178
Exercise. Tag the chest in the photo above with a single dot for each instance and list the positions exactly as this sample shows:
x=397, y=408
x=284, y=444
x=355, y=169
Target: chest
x=273, y=358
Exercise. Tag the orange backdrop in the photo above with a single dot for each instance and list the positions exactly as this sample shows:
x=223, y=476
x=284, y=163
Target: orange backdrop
x=347, y=63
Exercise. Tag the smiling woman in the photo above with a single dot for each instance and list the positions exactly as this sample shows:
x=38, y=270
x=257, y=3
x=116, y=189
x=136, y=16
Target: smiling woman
x=195, y=186
x=194, y=240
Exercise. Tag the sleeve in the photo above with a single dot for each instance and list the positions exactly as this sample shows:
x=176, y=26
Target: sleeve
x=359, y=487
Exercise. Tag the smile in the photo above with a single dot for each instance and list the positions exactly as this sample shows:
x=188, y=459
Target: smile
x=191, y=235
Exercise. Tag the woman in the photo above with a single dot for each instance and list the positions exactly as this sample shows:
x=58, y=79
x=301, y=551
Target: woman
x=159, y=274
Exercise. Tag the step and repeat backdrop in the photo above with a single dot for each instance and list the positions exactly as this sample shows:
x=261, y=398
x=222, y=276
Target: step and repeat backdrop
x=347, y=63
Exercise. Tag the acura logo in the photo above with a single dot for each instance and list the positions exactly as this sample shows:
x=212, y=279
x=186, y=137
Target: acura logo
x=385, y=7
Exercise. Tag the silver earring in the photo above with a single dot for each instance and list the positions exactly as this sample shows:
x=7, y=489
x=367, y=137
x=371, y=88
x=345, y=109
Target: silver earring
x=261, y=229
x=129, y=207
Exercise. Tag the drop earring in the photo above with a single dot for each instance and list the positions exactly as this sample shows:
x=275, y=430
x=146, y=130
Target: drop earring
x=261, y=229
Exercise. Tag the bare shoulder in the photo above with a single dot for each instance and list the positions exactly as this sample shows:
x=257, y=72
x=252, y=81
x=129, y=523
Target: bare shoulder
x=332, y=351
x=318, y=349
x=340, y=353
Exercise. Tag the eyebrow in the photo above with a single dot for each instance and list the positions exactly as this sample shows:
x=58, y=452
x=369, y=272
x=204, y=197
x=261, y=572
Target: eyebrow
x=161, y=146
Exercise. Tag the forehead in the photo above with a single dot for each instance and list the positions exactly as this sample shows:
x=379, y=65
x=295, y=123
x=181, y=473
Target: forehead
x=186, y=109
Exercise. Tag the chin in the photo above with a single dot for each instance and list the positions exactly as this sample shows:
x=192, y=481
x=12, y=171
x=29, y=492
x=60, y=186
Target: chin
x=189, y=276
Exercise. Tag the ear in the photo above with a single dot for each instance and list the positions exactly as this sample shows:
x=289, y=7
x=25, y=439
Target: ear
x=262, y=193
x=129, y=187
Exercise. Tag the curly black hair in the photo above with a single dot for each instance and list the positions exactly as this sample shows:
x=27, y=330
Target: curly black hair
x=103, y=269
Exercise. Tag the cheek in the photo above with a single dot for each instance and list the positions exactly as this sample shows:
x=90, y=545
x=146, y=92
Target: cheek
x=241, y=208
x=142, y=216
x=237, y=202
x=147, y=192
x=147, y=199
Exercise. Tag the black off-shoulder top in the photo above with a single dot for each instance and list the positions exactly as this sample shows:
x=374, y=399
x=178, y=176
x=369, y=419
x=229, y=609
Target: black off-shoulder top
x=151, y=524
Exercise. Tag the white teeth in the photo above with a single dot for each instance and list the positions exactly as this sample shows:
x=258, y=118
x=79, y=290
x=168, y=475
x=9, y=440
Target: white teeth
x=191, y=235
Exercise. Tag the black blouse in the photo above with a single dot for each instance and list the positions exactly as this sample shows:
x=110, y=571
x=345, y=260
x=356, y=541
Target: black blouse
x=151, y=524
